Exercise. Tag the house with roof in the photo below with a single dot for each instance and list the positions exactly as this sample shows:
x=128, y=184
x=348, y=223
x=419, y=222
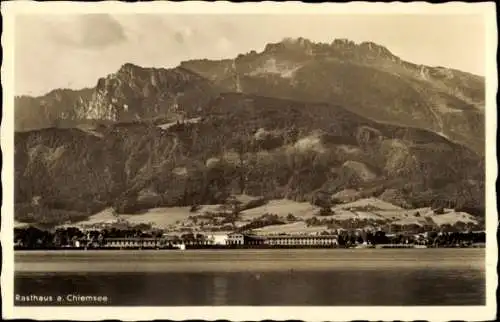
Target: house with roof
x=217, y=238
x=235, y=238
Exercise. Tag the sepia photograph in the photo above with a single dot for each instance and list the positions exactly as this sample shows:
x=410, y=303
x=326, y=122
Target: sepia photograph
x=247, y=160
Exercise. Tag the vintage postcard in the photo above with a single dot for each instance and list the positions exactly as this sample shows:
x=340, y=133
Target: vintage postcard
x=316, y=162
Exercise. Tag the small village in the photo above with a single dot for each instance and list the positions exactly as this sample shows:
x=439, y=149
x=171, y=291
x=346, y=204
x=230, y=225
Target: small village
x=32, y=238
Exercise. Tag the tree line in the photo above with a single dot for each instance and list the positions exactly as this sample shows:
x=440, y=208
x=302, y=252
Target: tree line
x=430, y=239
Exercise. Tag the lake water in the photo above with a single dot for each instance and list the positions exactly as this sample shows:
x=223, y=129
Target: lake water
x=329, y=277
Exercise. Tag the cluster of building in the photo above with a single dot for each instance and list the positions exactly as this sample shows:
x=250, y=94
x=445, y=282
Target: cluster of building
x=339, y=238
x=218, y=240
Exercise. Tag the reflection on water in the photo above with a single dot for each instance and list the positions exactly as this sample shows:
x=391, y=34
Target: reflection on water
x=220, y=290
x=374, y=287
x=258, y=277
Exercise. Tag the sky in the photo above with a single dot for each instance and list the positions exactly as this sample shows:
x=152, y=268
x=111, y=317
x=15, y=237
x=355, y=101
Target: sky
x=74, y=50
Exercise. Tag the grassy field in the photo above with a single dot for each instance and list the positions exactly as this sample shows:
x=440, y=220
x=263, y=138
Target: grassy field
x=179, y=218
x=160, y=217
x=282, y=207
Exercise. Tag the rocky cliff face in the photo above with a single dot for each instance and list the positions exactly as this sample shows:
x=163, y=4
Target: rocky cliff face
x=49, y=110
x=135, y=93
x=132, y=93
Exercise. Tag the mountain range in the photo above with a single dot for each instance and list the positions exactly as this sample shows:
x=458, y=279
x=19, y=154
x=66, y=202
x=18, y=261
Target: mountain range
x=299, y=120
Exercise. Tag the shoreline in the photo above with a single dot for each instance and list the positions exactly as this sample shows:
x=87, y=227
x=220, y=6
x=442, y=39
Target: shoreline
x=242, y=248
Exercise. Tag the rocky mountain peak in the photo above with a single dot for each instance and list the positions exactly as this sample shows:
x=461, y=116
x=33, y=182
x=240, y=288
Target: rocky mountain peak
x=365, y=77
x=341, y=47
x=129, y=67
x=376, y=48
x=299, y=42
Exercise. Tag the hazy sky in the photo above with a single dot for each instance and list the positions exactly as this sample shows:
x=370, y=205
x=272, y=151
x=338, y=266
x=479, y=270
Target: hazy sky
x=73, y=51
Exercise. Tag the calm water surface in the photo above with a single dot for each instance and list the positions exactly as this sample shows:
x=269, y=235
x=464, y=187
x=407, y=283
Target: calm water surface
x=257, y=277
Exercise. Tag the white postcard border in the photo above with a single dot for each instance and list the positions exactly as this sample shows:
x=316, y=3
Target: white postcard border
x=469, y=313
